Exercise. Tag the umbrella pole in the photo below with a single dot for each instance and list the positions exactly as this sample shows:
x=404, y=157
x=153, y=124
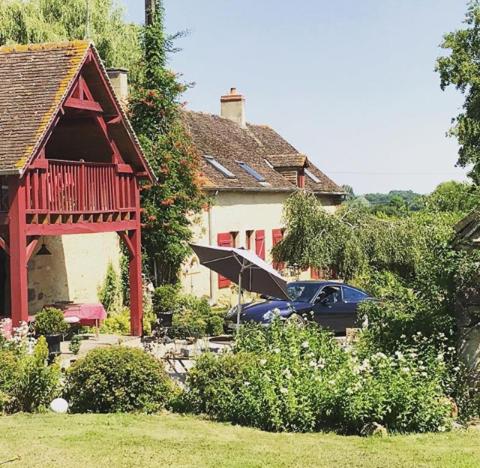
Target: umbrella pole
x=239, y=308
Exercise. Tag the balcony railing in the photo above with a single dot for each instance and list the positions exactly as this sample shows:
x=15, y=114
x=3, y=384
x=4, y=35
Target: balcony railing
x=68, y=187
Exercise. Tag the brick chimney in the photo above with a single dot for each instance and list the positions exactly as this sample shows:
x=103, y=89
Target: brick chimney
x=233, y=107
x=119, y=79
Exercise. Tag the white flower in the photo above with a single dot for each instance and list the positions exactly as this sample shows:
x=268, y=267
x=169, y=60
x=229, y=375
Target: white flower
x=381, y=355
x=331, y=382
x=283, y=390
x=402, y=336
x=451, y=348
x=276, y=350
x=399, y=354
x=312, y=363
x=246, y=383
x=262, y=362
x=456, y=368
x=287, y=373
x=442, y=428
x=305, y=345
x=424, y=374
x=406, y=370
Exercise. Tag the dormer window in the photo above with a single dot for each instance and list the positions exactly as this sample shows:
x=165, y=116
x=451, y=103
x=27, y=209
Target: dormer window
x=251, y=171
x=312, y=176
x=219, y=167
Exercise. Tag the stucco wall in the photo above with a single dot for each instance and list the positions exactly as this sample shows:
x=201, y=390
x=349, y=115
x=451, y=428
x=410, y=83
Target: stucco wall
x=235, y=212
x=74, y=271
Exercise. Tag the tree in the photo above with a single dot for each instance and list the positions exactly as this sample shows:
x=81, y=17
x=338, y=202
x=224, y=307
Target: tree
x=453, y=196
x=460, y=68
x=33, y=21
x=156, y=115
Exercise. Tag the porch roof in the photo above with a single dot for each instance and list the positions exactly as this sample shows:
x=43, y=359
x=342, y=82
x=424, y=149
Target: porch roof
x=35, y=80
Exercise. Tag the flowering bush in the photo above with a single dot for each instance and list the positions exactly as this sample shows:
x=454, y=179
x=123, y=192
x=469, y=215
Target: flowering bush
x=291, y=378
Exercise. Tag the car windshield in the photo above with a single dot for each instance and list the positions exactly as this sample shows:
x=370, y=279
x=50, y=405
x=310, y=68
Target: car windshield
x=302, y=292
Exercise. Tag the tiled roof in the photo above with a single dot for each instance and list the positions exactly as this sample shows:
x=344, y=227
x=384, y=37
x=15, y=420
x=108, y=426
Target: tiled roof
x=33, y=83
x=254, y=145
x=35, y=79
x=288, y=160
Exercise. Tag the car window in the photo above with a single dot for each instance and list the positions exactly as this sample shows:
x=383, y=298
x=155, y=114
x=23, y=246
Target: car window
x=353, y=295
x=329, y=295
x=302, y=292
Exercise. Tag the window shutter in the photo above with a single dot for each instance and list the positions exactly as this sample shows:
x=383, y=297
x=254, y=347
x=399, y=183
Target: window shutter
x=277, y=236
x=260, y=244
x=224, y=240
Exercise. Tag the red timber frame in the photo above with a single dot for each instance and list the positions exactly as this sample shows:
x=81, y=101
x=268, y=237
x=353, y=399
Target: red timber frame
x=58, y=197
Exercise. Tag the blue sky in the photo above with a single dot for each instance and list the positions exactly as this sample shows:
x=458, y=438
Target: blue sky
x=349, y=83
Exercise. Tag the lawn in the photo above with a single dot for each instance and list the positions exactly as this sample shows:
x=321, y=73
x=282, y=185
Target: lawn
x=173, y=440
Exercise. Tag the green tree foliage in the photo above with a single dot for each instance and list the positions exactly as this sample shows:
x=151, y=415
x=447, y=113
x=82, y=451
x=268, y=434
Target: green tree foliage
x=459, y=68
x=395, y=202
x=157, y=118
x=33, y=21
x=453, y=196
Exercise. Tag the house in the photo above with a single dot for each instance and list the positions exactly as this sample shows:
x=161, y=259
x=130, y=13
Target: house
x=70, y=168
x=249, y=171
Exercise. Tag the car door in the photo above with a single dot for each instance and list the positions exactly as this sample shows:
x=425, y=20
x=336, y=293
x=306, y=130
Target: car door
x=330, y=311
x=352, y=297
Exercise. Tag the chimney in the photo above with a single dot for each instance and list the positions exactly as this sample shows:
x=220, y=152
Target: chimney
x=233, y=107
x=119, y=79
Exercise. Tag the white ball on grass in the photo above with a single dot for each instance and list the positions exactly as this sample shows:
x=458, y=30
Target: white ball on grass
x=59, y=405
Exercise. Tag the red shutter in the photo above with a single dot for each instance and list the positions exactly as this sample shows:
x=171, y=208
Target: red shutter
x=315, y=273
x=260, y=244
x=224, y=240
x=277, y=236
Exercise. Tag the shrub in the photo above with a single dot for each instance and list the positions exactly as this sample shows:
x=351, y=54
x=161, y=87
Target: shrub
x=110, y=292
x=117, y=379
x=117, y=322
x=50, y=321
x=192, y=316
x=27, y=382
x=291, y=378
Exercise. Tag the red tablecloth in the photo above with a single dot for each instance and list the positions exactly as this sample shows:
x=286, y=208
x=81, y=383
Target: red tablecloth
x=89, y=314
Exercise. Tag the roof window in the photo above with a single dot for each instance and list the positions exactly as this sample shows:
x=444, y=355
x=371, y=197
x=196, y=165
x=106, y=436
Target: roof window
x=249, y=170
x=219, y=167
x=312, y=176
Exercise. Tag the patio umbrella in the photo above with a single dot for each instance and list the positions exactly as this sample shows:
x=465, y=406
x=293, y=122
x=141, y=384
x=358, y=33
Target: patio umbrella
x=244, y=268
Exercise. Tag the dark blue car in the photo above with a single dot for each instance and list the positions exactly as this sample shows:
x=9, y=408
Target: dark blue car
x=331, y=304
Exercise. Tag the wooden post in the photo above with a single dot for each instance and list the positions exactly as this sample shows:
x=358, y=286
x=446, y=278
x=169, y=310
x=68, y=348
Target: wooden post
x=18, y=251
x=136, y=290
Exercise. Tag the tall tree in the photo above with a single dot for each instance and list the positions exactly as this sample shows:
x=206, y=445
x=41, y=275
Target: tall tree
x=461, y=68
x=30, y=21
x=156, y=113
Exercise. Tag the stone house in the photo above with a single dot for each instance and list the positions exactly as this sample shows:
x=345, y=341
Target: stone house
x=249, y=171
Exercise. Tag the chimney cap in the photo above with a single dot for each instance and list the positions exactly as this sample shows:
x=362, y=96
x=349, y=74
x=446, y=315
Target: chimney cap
x=232, y=96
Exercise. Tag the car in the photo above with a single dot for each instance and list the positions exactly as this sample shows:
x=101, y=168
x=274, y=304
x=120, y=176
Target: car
x=331, y=304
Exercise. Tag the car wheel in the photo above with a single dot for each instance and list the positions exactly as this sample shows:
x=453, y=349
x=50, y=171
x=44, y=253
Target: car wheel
x=296, y=320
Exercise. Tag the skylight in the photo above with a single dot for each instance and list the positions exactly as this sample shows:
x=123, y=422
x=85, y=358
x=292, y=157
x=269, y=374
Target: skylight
x=312, y=176
x=219, y=167
x=258, y=177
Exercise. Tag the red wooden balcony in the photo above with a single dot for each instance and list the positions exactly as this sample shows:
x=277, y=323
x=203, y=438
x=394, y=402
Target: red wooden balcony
x=54, y=187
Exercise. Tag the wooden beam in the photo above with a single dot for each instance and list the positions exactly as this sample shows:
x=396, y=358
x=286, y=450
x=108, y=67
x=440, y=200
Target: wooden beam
x=79, y=228
x=128, y=243
x=31, y=247
x=82, y=104
x=18, y=258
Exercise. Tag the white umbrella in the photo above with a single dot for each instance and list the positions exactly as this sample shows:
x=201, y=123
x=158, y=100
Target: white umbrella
x=244, y=268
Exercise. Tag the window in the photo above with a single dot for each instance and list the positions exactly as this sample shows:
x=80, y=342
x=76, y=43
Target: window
x=219, y=167
x=353, y=295
x=260, y=244
x=234, y=236
x=312, y=176
x=277, y=236
x=249, y=170
x=224, y=239
x=330, y=295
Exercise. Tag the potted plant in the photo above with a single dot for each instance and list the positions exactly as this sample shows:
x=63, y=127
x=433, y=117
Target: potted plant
x=51, y=323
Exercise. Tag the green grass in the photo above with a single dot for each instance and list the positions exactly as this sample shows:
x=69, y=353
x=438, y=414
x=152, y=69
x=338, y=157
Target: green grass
x=172, y=440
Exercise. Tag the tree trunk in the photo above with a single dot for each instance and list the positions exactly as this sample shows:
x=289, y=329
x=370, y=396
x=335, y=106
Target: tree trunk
x=149, y=11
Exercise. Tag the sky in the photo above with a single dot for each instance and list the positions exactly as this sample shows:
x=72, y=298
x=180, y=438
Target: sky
x=349, y=83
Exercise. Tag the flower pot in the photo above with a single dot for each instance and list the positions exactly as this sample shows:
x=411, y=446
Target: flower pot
x=53, y=342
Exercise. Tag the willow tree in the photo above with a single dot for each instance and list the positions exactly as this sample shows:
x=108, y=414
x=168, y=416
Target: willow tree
x=102, y=21
x=156, y=114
